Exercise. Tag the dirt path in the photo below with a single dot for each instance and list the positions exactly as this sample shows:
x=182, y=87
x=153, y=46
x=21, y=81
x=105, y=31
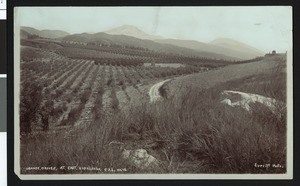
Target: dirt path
x=154, y=91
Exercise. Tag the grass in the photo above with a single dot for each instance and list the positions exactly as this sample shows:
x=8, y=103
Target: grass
x=226, y=74
x=191, y=133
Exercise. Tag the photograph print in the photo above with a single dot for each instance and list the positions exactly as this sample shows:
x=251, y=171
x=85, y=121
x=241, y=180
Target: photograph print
x=153, y=92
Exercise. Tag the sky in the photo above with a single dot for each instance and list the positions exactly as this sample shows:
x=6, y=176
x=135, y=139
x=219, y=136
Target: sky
x=265, y=28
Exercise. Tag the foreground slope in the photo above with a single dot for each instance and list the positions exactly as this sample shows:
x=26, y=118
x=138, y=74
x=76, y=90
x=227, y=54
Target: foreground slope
x=237, y=71
x=196, y=134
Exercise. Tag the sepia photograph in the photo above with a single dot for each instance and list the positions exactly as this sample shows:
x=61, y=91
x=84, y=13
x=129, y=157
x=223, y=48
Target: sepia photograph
x=153, y=92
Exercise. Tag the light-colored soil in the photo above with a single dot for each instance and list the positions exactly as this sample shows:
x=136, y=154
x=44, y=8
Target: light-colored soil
x=138, y=95
x=154, y=91
x=172, y=65
x=244, y=100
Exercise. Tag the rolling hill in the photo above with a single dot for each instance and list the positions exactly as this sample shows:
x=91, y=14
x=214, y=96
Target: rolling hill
x=24, y=34
x=131, y=36
x=230, y=47
x=209, y=79
x=52, y=34
x=128, y=41
x=237, y=48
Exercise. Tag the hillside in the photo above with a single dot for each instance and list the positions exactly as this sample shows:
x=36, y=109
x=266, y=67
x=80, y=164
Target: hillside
x=226, y=47
x=30, y=30
x=131, y=36
x=52, y=34
x=246, y=52
x=103, y=110
x=24, y=34
x=210, y=78
x=128, y=41
x=131, y=31
x=237, y=48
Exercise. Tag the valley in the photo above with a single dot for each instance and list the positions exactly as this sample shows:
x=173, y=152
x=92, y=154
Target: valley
x=110, y=100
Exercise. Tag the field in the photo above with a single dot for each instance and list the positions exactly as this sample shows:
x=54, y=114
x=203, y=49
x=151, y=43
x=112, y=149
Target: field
x=84, y=106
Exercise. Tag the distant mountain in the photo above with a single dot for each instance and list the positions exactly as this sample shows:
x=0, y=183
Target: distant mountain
x=128, y=41
x=133, y=31
x=30, y=30
x=226, y=47
x=24, y=34
x=237, y=48
x=236, y=51
x=53, y=33
x=45, y=33
x=131, y=36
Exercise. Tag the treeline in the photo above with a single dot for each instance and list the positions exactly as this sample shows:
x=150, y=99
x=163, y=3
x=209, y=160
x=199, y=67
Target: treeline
x=146, y=55
x=250, y=60
x=94, y=45
x=32, y=106
x=80, y=51
x=117, y=62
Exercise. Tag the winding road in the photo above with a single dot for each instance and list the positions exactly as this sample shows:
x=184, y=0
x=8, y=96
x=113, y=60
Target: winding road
x=154, y=91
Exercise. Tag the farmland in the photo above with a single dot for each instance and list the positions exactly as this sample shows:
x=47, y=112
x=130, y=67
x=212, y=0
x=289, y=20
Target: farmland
x=76, y=84
x=78, y=103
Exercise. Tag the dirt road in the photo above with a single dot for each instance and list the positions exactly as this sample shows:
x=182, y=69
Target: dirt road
x=154, y=91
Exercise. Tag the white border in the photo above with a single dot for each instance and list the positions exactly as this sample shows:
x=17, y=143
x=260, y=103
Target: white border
x=288, y=175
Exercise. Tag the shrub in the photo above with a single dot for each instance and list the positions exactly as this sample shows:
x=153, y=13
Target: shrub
x=114, y=100
x=121, y=82
x=108, y=83
x=30, y=102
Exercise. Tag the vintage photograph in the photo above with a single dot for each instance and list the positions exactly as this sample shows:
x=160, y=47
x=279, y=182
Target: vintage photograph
x=159, y=92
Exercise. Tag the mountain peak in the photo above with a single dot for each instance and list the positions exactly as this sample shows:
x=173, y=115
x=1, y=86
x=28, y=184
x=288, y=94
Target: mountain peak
x=126, y=29
x=133, y=31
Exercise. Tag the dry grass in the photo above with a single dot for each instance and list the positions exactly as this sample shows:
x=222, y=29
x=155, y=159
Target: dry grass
x=223, y=75
x=191, y=133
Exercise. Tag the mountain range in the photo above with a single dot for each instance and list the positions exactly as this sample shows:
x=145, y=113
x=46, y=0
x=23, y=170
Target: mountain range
x=127, y=35
x=223, y=46
x=129, y=41
x=52, y=34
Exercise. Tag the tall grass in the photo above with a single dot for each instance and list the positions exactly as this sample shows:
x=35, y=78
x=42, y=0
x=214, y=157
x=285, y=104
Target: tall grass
x=191, y=133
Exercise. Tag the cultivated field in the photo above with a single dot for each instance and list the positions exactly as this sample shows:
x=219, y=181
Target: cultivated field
x=87, y=106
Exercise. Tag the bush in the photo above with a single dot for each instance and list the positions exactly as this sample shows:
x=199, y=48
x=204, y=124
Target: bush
x=30, y=102
x=121, y=82
x=108, y=83
x=114, y=100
